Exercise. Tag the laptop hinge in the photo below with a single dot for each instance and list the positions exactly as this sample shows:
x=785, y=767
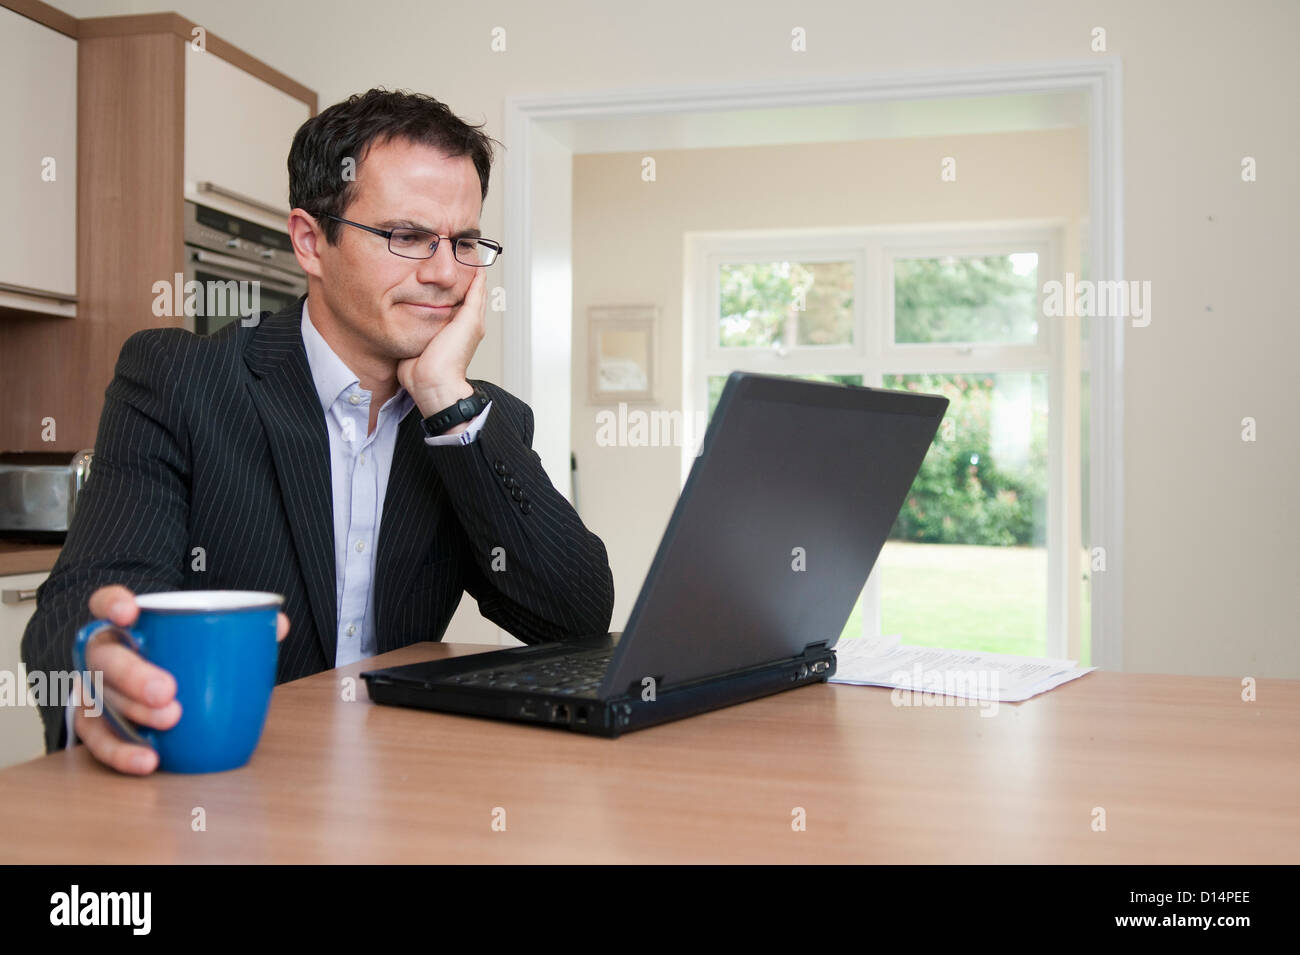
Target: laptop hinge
x=638, y=687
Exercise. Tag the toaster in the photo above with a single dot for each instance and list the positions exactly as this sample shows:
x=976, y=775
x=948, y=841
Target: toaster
x=38, y=493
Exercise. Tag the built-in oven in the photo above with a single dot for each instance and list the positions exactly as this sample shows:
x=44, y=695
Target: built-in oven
x=240, y=268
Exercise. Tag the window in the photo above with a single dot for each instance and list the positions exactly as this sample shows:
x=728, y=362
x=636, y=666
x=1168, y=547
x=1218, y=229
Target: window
x=979, y=555
x=785, y=304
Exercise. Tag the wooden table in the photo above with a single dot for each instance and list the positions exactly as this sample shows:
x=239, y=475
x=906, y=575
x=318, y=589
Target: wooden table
x=1185, y=771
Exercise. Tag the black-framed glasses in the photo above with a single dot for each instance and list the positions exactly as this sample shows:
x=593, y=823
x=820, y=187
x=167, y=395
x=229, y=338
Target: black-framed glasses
x=419, y=244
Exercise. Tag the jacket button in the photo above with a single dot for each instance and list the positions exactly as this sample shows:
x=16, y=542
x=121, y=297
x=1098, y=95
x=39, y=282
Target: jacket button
x=526, y=506
x=500, y=467
x=517, y=493
x=509, y=481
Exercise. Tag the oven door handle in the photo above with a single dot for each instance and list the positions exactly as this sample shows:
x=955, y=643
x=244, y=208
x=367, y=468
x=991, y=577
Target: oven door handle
x=277, y=280
x=213, y=189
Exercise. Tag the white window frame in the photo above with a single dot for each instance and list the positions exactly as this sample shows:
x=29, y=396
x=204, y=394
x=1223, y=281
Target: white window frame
x=874, y=354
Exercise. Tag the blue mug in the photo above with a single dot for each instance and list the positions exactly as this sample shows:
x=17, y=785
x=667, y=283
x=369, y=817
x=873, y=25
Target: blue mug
x=221, y=647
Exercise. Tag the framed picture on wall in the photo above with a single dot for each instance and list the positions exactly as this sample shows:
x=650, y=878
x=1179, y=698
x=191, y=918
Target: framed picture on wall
x=621, y=353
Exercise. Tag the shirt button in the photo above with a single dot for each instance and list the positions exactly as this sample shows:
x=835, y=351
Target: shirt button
x=363, y=457
x=361, y=545
x=354, y=399
x=352, y=628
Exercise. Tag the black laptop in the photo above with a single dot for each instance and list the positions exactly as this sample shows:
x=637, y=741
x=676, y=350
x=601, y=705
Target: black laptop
x=788, y=503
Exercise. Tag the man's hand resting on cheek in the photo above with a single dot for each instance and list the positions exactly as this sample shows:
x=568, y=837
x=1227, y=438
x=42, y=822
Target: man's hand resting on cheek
x=436, y=378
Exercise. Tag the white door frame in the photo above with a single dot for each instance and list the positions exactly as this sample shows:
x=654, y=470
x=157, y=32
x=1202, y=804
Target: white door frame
x=538, y=266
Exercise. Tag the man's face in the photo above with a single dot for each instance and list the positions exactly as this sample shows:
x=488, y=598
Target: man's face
x=381, y=299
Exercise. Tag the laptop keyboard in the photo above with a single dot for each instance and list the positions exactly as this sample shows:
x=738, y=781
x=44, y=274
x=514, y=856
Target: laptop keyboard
x=578, y=674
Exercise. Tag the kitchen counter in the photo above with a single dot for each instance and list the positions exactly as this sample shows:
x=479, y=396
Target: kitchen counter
x=20, y=558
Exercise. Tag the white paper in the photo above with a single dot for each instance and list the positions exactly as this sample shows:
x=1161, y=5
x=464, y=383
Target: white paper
x=960, y=673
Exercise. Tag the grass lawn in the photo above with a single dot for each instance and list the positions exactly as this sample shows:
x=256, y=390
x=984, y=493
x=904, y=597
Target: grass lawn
x=966, y=597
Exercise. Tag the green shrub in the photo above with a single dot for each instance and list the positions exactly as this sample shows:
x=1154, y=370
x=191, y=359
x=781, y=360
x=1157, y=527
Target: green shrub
x=961, y=496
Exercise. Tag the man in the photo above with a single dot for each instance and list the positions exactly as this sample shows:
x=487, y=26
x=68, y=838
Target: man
x=335, y=453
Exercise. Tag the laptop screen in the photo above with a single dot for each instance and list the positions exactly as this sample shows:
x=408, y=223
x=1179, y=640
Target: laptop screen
x=782, y=518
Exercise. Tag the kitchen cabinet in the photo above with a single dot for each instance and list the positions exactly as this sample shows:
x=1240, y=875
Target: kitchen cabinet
x=22, y=735
x=238, y=129
x=38, y=166
x=153, y=119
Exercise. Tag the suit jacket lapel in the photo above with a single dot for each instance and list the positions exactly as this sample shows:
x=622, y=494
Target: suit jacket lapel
x=412, y=505
x=289, y=406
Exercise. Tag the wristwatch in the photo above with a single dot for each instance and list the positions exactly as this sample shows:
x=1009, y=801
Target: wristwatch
x=461, y=411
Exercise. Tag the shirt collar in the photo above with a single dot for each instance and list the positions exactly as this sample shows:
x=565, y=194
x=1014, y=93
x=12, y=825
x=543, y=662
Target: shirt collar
x=333, y=377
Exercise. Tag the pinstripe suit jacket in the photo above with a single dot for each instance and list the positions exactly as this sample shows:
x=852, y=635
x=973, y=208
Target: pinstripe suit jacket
x=219, y=443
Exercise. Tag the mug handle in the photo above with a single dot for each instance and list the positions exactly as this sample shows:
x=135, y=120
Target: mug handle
x=141, y=736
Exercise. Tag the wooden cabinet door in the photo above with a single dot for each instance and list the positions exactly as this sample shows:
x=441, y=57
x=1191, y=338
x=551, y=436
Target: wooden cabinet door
x=38, y=165
x=238, y=130
x=22, y=735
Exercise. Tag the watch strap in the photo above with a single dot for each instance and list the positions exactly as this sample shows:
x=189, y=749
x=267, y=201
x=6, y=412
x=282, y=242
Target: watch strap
x=461, y=411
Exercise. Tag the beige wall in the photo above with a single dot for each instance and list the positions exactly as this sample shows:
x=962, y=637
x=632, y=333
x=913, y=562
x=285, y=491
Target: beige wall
x=628, y=249
x=1211, y=524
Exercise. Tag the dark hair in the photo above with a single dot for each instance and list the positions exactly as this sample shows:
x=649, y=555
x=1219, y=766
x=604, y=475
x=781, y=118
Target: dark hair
x=348, y=129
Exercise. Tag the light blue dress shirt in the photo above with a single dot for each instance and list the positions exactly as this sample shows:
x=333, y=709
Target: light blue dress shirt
x=359, y=466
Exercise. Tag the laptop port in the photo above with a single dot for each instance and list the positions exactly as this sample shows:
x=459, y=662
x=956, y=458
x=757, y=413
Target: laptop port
x=581, y=716
x=528, y=709
x=561, y=713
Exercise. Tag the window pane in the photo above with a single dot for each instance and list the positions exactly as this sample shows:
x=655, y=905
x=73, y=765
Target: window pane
x=965, y=566
x=969, y=299
x=791, y=303
x=718, y=382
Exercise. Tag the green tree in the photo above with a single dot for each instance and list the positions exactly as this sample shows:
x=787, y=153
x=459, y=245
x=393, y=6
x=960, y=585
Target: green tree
x=760, y=303
x=963, y=300
x=962, y=495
